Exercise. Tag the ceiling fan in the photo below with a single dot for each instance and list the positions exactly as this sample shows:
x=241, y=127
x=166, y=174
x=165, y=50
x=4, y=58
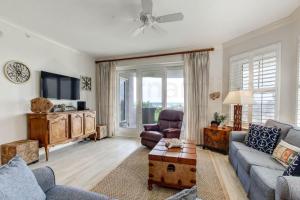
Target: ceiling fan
x=150, y=21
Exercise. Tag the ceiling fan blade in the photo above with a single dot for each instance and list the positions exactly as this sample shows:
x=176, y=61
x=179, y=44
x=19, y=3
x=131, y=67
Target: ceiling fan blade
x=170, y=18
x=157, y=28
x=147, y=6
x=138, y=31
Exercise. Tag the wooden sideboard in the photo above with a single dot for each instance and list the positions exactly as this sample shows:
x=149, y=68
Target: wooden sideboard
x=60, y=127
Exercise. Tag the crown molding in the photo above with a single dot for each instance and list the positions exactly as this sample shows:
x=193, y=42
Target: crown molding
x=28, y=33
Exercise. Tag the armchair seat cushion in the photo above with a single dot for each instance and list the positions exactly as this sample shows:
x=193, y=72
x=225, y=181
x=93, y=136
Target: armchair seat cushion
x=151, y=135
x=248, y=159
x=265, y=179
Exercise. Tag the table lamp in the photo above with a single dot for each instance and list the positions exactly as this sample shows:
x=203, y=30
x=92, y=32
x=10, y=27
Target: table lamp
x=238, y=98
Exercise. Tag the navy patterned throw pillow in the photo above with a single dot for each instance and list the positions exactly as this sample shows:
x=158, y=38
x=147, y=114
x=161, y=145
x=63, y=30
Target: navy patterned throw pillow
x=294, y=168
x=262, y=138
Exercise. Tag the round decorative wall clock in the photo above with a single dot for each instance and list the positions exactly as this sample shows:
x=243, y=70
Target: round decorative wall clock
x=16, y=72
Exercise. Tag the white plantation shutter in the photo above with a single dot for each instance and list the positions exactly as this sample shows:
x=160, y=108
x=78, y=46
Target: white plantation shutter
x=264, y=87
x=257, y=71
x=239, y=80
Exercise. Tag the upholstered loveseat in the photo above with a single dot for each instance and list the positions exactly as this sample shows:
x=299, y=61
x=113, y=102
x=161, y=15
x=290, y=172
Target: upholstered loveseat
x=262, y=176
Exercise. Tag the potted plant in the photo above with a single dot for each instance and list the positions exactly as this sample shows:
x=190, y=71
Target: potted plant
x=218, y=119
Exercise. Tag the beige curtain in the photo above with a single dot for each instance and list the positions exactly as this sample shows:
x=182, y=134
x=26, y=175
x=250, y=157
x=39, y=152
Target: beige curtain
x=106, y=92
x=196, y=78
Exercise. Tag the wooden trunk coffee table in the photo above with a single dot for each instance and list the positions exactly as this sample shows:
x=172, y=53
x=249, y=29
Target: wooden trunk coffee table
x=175, y=167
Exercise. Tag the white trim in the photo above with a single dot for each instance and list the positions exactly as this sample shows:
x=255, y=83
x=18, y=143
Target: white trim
x=298, y=83
x=149, y=66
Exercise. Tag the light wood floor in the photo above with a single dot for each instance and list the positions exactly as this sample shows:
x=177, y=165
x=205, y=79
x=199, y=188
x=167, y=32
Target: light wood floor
x=84, y=164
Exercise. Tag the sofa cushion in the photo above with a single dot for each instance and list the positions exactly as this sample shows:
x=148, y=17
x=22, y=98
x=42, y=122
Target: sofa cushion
x=293, y=137
x=60, y=192
x=239, y=146
x=283, y=127
x=263, y=138
x=18, y=182
x=265, y=179
x=151, y=135
x=294, y=168
x=247, y=159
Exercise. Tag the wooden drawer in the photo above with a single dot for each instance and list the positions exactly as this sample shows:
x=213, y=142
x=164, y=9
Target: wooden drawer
x=215, y=135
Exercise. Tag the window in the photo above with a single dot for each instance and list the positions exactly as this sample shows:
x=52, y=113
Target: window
x=298, y=98
x=175, y=90
x=123, y=99
x=257, y=71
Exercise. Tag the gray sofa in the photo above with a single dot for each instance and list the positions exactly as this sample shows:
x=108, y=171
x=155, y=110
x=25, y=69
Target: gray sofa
x=46, y=179
x=260, y=175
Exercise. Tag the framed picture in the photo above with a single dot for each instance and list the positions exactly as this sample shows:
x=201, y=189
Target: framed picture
x=86, y=83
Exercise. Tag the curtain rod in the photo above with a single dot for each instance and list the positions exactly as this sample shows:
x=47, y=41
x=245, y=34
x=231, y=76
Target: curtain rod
x=155, y=55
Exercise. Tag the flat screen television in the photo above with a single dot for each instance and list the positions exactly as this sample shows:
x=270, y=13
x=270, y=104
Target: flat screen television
x=56, y=86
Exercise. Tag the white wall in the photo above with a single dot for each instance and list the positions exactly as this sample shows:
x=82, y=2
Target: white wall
x=215, y=81
x=286, y=32
x=39, y=54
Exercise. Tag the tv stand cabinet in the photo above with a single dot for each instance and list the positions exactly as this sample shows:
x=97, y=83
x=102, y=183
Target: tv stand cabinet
x=55, y=128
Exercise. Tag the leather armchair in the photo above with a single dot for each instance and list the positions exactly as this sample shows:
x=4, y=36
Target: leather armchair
x=168, y=126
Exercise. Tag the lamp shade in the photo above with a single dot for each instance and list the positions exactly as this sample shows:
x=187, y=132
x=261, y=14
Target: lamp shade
x=242, y=97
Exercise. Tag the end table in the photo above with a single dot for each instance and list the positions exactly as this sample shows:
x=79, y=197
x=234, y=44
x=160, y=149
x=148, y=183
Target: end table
x=217, y=138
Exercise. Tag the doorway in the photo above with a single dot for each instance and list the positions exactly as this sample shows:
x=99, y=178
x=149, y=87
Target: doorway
x=143, y=93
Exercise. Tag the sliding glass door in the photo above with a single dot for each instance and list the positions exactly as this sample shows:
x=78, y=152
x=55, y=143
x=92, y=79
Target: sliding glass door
x=143, y=93
x=126, y=102
x=152, y=96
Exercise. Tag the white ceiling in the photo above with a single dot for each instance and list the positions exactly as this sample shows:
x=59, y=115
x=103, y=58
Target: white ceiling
x=102, y=28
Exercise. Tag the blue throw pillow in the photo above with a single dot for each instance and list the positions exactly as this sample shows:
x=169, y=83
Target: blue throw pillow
x=18, y=182
x=263, y=138
x=294, y=168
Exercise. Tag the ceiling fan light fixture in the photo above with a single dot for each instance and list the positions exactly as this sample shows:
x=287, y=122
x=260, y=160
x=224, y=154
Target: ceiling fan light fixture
x=148, y=20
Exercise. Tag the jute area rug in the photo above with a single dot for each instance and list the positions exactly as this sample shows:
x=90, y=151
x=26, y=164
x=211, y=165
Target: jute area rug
x=129, y=180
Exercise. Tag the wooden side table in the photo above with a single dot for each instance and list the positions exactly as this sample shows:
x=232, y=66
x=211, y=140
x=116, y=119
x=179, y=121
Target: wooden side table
x=101, y=131
x=27, y=149
x=217, y=138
